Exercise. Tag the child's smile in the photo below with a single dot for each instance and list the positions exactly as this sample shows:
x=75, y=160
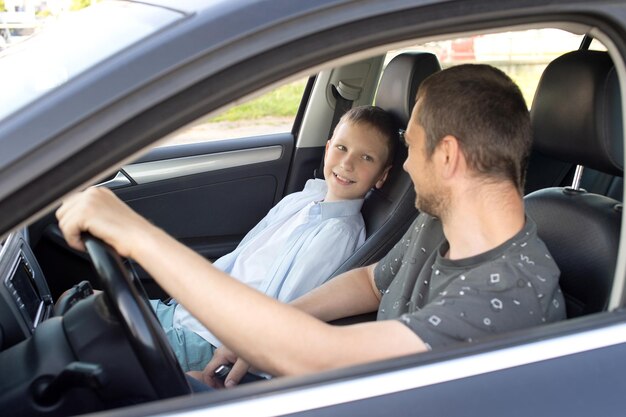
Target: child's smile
x=343, y=180
x=355, y=161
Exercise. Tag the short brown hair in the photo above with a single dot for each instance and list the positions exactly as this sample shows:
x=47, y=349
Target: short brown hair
x=380, y=120
x=485, y=110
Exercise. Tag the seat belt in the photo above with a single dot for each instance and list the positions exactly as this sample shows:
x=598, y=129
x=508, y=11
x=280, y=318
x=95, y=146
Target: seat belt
x=344, y=95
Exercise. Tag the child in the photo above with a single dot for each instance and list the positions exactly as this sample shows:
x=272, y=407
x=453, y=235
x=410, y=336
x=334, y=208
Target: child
x=306, y=236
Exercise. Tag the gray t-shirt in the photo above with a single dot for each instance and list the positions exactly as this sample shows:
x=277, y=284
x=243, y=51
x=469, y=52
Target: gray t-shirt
x=509, y=287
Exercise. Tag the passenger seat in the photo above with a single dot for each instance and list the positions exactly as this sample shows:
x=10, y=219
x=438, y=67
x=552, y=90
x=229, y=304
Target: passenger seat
x=388, y=212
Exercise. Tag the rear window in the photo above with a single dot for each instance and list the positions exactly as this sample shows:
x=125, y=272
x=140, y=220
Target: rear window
x=523, y=55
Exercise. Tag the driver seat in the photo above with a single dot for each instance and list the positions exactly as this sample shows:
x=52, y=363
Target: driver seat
x=577, y=118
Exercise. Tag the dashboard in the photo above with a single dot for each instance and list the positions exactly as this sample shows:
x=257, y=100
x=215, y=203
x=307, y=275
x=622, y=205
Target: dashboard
x=25, y=299
x=59, y=365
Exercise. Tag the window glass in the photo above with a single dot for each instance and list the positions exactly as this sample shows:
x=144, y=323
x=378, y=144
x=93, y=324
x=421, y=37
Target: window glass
x=272, y=112
x=523, y=55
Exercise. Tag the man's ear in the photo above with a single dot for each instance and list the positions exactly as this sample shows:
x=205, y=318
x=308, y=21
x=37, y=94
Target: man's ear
x=450, y=155
x=383, y=177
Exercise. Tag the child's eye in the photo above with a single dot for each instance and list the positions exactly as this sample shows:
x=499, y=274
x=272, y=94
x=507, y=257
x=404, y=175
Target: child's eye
x=341, y=147
x=367, y=158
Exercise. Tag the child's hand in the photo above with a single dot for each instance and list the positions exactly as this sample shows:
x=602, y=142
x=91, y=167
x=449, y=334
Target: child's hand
x=99, y=212
x=222, y=356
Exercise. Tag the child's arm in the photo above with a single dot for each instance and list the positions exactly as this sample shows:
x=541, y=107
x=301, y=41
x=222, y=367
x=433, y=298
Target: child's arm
x=274, y=337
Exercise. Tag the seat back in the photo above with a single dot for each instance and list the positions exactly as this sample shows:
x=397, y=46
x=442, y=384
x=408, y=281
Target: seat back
x=388, y=211
x=576, y=118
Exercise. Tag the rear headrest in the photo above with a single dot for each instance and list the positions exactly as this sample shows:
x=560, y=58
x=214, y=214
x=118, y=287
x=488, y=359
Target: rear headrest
x=577, y=113
x=401, y=78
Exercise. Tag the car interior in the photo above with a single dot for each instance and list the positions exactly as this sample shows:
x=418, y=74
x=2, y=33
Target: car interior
x=573, y=193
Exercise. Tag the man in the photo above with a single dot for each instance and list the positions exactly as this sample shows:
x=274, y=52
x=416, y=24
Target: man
x=470, y=266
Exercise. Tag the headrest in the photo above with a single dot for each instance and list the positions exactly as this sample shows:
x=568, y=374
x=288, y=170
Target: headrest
x=401, y=78
x=577, y=113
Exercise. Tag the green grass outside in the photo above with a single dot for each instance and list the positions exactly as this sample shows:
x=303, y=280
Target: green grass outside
x=281, y=102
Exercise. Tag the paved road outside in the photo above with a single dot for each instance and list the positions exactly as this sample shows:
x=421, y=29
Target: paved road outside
x=228, y=130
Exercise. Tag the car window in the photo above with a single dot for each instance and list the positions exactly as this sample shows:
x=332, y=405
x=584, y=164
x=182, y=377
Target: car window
x=523, y=55
x=269, y=113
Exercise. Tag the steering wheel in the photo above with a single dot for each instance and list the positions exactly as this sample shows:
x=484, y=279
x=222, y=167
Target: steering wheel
x=141, y=325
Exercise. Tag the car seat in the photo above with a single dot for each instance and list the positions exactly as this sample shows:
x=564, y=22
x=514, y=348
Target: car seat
x=389, y=211
x=577, y=118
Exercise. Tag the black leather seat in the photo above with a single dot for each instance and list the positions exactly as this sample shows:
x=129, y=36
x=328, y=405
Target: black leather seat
x=576, y=117
x=389, y=211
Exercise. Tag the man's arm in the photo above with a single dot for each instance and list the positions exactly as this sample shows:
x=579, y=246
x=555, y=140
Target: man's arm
x=274, y=337
x=349, y=294
x=333, y=300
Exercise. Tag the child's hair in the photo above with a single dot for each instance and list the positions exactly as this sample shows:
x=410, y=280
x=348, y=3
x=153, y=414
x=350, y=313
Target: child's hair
x=380, y=120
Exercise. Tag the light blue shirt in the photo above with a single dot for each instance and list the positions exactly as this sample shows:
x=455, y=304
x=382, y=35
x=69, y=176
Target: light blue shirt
x=298, y=245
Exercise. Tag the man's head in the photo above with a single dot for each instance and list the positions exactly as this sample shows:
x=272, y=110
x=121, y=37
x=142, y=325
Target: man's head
x=484, y=111
x=359, y=154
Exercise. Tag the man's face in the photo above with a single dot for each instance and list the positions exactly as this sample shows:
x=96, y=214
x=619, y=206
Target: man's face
x=355, y=161
x=430, y=195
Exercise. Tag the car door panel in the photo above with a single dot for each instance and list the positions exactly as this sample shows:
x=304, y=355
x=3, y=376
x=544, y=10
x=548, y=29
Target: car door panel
x=209, y=195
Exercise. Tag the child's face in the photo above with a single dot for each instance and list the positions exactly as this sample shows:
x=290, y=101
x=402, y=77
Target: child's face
x=355, y=161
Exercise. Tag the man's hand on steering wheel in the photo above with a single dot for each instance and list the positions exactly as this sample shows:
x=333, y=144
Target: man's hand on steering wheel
x=98, y=212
